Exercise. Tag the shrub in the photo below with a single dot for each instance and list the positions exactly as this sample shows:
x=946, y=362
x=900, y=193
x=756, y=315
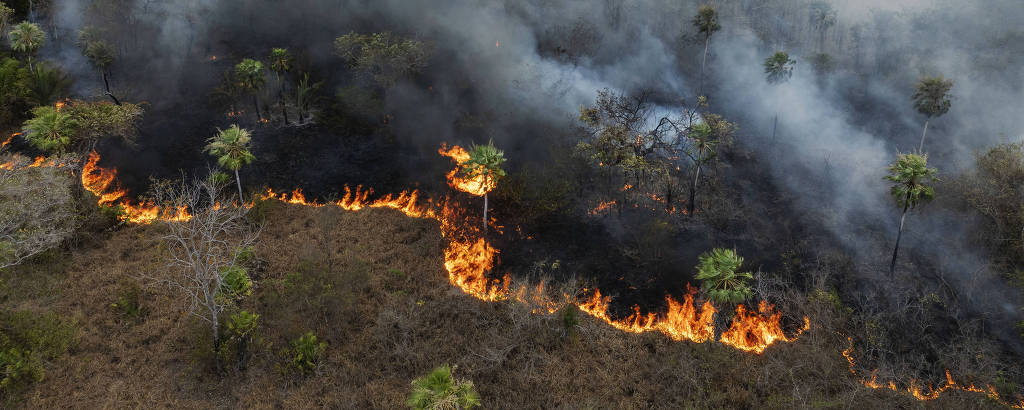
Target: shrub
x=235, y=282
x=129, y=302
x=439, y=390
x=306, y=353
x=28, y=339
x=719, y=278
x=242, y=325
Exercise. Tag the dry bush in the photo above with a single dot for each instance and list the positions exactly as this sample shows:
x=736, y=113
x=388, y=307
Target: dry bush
x=37, y=209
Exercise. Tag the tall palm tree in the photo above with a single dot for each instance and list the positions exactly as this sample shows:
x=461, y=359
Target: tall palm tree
x=706, y=22
x=823, y=16
x=910, y=176
x=485, y=160
x=931, y=98
x=101, y=56
x=251, y=73
x=26, y=38
x=701, y=150
x=49, y=129
x=231, y=147
x=5, y=17
x=439, y=390
x=720, y=281
x=778, y=68
x=281, y=63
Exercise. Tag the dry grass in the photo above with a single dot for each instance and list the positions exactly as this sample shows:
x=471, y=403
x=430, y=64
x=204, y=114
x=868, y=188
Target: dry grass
x=371, y=284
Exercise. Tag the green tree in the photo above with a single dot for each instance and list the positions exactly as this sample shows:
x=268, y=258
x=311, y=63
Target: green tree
x=48, y=84
x=439, y=390
x=385, y=57
x=5, y=17
x=720, y=281
x=50, y=129
x=911, y=178
x=307, y=352
x=26, y=38
x=931, y=98
x=822, y=17
x=242, y=325
x=231, y=147
x=305, y=94
x=778, y=68
x=704, y=138
x=706, y=22
x=485, y=160
x=250, y=72
x=101, y=119
x=15, y=93
x=281, y=63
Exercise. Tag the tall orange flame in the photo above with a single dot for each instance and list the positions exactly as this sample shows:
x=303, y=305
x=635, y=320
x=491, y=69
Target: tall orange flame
x=102, y=183
x=915, y=389
x=478, y=185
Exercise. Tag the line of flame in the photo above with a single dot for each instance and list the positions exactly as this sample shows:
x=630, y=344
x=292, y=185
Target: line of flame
x=915, y=389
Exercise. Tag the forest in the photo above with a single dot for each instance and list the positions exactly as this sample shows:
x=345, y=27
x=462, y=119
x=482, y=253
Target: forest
x=511, y=204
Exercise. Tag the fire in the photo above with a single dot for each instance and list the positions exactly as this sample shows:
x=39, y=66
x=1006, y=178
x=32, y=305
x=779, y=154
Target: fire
x=212, y=58
x=102, y=183
x=754, y=332
x=60, y=104
x=627, y=187
x=235, y=113
x=680, y=322
x=8, y=140
x=264, y=121
x=915, y=389
x=601, y=207
x=475, y=186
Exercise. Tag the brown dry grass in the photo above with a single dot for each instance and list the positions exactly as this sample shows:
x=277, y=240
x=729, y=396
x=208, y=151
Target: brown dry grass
x=372, y=285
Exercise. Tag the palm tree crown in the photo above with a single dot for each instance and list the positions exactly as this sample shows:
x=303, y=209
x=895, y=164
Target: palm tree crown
x=251, y=73
x=911, y=176
x=484, y=160
x=719, y=278
x=778, y=67
x=438, y=390
x=27, y=37
x=931, y=97
x=706, y=20
x=231, y=147
x=50, y=129
x=280, y=60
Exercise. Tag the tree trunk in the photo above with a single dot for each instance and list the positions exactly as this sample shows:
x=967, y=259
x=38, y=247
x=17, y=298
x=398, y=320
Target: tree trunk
x=707, y=40
x=107, y=87
x=239, y=182
x=244, y=353
x=895, y=251
x=921, y=148
x=256, y=103
x=280, y=98
x=775, y=125
x=216, y=344
x=485, y=213
x=693, y=187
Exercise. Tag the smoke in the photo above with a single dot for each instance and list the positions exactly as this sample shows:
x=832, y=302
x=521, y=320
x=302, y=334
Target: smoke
x=525, y=67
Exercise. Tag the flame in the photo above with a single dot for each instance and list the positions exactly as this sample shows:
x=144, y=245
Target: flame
x=601, y=207
x=264, y=121
x=212, y=58
x=102, y=183
x=627, y=187
x=474, y=186
x=8, y=140
x=60, y=104
x=680, y=322
x=235, y=113
x=754, y=332
x=915, y=389
x=497, y=44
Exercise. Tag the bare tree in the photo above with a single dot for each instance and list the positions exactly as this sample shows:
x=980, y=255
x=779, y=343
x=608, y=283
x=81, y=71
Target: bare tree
x=203, y=249
x=37, y=208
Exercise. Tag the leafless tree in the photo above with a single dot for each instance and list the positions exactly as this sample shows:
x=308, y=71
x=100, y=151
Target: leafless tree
x=37, y=208
x=200, y=249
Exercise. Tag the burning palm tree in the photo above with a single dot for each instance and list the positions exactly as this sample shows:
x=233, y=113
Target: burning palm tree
x=485, y=161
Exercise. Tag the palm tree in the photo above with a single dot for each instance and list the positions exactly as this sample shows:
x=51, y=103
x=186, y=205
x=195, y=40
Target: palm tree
x=701, y=150
x=231, y=147
x=485, y=160
x=49, y=129
x=5, y=17
x=438, y=390
x=251, y=73
x=823, y=16
x=101, y=56
x=720, y=281
x=280, y=63
x=778, y=68
x=26, y=38
x=911, y=176
x=932, y=99
x=706, y=22
x=304, y=95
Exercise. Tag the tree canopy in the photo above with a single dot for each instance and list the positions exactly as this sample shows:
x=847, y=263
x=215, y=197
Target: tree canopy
x=911, y=179
x=931, y=96
x=779, y=67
